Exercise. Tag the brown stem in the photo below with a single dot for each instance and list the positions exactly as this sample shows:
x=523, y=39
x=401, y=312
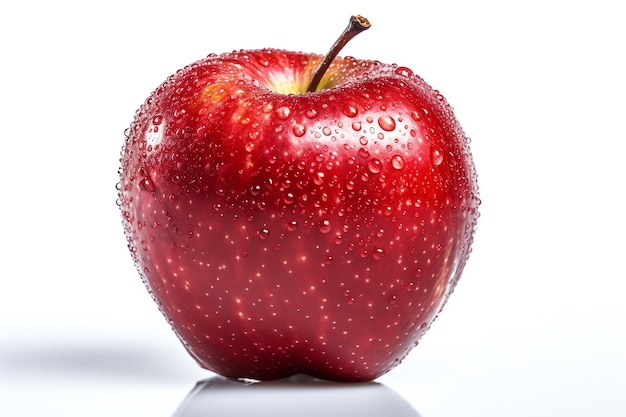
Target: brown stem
x=357, y=25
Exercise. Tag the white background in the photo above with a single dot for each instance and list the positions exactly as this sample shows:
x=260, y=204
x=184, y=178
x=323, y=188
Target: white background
x=537, y=325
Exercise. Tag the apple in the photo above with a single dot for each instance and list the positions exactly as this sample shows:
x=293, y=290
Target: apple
x=298, y=214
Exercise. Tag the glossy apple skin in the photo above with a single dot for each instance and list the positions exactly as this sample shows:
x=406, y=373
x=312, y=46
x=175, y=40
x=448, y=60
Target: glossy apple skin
x=316, y=233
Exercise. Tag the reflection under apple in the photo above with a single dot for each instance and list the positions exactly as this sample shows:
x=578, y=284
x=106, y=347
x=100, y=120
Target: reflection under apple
x=299, y=395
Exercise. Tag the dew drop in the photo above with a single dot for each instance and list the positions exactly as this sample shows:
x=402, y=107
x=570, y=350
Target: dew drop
x=255, y=190
x=292, y=225
x=363, y=140
x=350, y=110
x=299, y=130
x=324, y=226
x=289, y=198
x=386, y=123
x=147, y=184
x=375, y=166
x=311, y=113
x=356, y=126
x=436, y=157
x=283, y=112
x=328, y=259
x=249, y=146
x=392, y=299
x=157, y=120
x=364, y=153
x=264, y=233
x=397, y=162
x=404, y=71
x=379, y=253
x=318, y=178
x=326, y=131
x=268, y=107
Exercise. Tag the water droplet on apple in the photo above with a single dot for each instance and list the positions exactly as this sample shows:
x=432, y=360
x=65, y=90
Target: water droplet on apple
x=249, y=146
x=436, y=157
x=157, y=120
x=350, y=110
x=299, y=130
x=283, y=112
x=255, y=190
x=404, y=71
x=392, y=299
x=324, y=226
x=328, y=259
x=292, y=225
x=264, y=233
x=318, y=178
x=326, y=131
x=364, y=153
x=289, y=198
x=378, y=253
x=311, y=113
x=356, y=126
x=375, y=166
x=350, y=300
x=147, y=184
x=268, y=107
x=397, y=161
x=386, y=123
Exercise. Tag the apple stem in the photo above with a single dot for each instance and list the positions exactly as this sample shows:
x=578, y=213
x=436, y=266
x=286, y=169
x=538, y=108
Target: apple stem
x=356, y=25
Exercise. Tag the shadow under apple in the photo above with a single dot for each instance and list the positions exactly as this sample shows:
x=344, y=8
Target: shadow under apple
x=300, y=395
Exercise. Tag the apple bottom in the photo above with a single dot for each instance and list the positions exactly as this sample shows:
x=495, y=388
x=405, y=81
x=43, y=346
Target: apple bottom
x=259, y=305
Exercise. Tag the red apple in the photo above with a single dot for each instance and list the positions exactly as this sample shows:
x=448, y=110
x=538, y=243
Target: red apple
x=283, y=231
